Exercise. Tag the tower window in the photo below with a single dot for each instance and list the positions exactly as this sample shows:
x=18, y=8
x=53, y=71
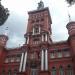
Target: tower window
x=32, y=21
x=37, y=20
x=36, y=40
x=42, y=19
x=36, y=30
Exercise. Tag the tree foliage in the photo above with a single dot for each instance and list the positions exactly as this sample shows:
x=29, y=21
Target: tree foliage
x=4, y=13
x=70, y=2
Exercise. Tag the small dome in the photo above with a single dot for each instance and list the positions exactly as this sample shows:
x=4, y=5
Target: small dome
x=71, y=28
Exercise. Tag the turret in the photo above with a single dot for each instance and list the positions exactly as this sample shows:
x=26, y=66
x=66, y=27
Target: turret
x=71, y=28
x=3, y=40
x=71, y=31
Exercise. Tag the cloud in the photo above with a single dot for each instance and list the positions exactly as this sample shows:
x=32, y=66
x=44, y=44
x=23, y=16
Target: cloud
x=15, y=41
x=17, y=21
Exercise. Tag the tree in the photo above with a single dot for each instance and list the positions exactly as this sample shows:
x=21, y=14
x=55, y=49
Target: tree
x=70, y=2
x=4, y=13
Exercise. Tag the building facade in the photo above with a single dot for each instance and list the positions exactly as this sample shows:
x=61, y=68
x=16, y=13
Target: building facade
x=39, y=55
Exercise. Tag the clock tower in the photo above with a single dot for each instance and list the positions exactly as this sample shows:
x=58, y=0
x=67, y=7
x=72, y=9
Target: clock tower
x=39, y=26
x=38, y=39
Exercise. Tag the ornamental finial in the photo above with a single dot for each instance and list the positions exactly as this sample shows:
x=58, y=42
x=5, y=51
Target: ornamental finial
x=40, y=5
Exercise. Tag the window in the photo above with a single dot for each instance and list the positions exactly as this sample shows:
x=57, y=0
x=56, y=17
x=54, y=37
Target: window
x=15, y=72
x=53, y=71
x=36, y=40
x=37, y=20
x=42, y=19
x=52, y=55
x=17, y=59
x=34, y=71
x=3, y=72
x=66, y=54
x=59, y=54
x=69, y=70
x=32, y=56
x=9, y=72
x=7, y=60
x=61, y=71
x=12, y=59
x=36, y=30
x=32, y=21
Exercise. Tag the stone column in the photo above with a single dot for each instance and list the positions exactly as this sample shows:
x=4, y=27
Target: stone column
x=42, y=37
x=33, y=30
x=42, y=60
x=25, y=60
x=45, y=37
x=28, y=40
x=39, y=29
x=21, y=62
x=46, y=60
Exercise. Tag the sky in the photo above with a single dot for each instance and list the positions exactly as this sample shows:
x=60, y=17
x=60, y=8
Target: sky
x=18, y=18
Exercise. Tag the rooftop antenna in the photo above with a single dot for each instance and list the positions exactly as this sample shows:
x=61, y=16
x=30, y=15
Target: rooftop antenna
x=69, y=17
x=6, y=31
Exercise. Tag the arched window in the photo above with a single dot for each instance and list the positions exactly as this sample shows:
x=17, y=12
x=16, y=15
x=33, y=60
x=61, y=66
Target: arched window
x=53, y=71
x=36, y=30
x=69, y=70
x=15, y=72
x=9, y=72
x=3, y=72
x=33, y=71
x=61, y=71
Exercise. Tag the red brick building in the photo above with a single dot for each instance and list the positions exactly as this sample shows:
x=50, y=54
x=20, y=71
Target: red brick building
x=39, y=55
